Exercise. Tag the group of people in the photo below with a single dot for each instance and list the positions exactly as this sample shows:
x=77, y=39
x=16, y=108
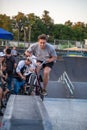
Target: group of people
x=15, y=73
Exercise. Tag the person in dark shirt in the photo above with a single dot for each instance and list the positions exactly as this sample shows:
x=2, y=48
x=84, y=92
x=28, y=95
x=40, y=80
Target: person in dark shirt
x=10, y=66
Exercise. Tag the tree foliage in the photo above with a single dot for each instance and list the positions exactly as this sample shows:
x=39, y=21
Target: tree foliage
x=29, y=26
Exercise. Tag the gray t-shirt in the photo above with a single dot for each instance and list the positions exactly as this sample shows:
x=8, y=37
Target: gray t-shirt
x=42, y=54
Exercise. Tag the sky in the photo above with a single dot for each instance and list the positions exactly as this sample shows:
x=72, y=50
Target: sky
x=59, y=10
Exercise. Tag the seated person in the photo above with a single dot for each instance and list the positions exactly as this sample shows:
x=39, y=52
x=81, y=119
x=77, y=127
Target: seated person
x=19, y=77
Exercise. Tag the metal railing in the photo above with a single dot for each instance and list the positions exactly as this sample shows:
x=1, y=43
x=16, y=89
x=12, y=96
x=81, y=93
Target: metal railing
x=66, y=80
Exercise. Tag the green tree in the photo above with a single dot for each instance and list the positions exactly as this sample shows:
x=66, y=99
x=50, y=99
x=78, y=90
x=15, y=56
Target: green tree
x=68, y=23
x=19, y=23
x=79, y=31
x=38, y=28
x=48, y=24
x=28, y=27
x=5, y=22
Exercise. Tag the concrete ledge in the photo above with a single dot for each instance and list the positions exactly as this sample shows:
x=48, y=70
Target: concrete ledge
x=25, y=113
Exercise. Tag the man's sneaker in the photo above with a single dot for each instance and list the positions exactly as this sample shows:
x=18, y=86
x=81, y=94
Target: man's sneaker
x=44, y=92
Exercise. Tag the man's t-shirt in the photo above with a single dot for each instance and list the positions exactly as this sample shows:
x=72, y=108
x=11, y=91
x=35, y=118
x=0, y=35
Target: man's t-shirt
x=42, y=54
x=10, y=62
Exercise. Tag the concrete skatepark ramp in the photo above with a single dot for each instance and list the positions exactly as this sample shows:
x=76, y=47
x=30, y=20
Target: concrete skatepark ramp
x=67, y=114
x=76, y=68
x=59, y=90
x=59, y=110
x=25, y=113
x=29, y=112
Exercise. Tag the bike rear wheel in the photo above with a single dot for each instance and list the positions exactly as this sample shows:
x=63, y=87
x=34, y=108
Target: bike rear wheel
x=30, y=89
x=31, y=84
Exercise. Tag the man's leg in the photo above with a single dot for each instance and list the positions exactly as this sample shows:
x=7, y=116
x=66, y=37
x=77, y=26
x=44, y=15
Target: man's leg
x=46, y=76
x=16, y=86
x=10, y=82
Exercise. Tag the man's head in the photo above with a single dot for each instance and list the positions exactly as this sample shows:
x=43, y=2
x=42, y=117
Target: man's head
x=14, y=47
x=28, y=61
x=8, y=51
x=42, y=39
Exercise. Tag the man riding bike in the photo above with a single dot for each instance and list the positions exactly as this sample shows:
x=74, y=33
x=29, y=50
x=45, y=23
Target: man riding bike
x=44, y=51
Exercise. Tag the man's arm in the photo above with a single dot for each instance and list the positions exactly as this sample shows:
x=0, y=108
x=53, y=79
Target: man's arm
x=18, y=70
x=20, y=75
x=53, y=58
x=53, y=55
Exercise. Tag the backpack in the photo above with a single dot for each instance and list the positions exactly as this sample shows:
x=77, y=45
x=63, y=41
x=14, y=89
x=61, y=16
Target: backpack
x=9, y=65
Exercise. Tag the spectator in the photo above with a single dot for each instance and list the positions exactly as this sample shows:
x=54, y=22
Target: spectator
x=4, y=50
x=14, y=51
x=10, y=66
x=19, y=78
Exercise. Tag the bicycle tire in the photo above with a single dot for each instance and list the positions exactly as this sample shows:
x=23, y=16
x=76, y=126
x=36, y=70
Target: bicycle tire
x=30, y=89
x=39, y=93
x=39, y=90
x=42, y=96
x=32, y=86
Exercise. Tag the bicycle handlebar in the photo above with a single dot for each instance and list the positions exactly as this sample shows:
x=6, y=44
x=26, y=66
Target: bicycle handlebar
x=42, y=62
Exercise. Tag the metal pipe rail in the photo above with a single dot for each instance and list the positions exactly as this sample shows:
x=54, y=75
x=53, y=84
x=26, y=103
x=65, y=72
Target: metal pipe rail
x=65, y=79
x=68, y=82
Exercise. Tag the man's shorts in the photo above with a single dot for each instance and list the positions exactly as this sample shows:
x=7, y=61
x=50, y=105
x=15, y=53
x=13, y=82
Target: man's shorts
x=50, y=64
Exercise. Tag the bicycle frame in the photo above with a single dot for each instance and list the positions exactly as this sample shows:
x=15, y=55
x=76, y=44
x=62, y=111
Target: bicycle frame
x=38, y=86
